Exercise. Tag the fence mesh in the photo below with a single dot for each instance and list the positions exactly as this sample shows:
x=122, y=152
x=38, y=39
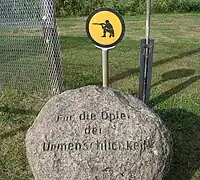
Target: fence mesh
x=29, y=47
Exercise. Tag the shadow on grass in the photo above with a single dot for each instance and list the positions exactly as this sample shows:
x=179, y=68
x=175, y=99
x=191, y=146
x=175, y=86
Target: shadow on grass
x=184, y=127
x=175, y=74
x=133, y=71
x=14, y=132
x=166, y=95
x=18, y=111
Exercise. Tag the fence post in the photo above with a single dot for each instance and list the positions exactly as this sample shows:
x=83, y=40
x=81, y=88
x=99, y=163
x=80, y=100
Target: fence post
x=52, y=46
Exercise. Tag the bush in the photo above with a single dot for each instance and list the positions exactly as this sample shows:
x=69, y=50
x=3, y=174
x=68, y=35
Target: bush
x=161, y=6
x=185, y=5
x=125, y=7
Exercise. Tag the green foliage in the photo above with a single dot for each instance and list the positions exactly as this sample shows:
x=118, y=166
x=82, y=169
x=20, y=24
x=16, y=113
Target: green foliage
x=161, y=6
x=185, y=5
x=84, y=7
x=125, y=7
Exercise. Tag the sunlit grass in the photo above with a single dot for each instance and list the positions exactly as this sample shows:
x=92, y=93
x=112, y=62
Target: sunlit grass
x=175, y=99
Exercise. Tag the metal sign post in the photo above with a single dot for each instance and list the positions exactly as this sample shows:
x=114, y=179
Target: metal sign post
x=105, y=65
x=146, y=58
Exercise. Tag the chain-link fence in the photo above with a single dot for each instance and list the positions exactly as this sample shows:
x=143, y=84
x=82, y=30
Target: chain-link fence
x=29, y=47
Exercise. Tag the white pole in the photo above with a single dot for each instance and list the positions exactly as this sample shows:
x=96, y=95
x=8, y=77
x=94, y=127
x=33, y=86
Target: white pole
x=148, y=21
x=147, y=48
x=105, y=67
x=105, y=64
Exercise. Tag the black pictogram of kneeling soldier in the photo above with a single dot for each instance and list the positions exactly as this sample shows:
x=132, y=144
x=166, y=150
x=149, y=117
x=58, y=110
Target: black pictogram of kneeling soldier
x=107, y=28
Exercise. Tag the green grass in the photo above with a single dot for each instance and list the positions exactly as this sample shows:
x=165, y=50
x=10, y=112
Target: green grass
x=174, y=95
x=22, y=61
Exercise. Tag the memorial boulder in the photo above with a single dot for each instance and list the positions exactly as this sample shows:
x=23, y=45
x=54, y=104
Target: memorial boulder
x=96, y=133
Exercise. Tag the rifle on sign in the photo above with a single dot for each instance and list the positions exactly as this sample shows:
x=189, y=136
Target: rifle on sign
x=101, y=24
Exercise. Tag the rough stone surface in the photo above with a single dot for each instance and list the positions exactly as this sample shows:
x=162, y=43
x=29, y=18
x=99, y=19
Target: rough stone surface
x=96, y=133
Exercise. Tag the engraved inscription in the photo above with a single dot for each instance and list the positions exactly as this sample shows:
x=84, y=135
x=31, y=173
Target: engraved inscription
x=139, y=145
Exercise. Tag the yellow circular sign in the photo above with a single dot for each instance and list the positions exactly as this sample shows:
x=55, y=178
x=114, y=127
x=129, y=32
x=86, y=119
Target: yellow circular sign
x=105, y=27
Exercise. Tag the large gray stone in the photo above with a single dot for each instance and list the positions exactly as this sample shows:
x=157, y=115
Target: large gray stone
x=96, y=133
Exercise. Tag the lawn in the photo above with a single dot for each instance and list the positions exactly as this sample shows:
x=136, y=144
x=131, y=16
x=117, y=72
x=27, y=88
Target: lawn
x=174, y=94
